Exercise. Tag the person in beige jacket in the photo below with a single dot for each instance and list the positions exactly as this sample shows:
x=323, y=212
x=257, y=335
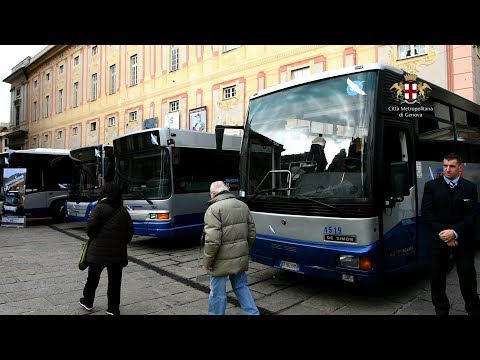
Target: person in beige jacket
x=229, y=234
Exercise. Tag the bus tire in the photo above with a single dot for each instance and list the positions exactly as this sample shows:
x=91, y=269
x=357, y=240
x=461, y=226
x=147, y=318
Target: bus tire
x=57, y=211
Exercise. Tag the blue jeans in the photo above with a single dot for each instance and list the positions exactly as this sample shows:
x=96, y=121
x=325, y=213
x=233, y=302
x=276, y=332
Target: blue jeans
x=217, y=301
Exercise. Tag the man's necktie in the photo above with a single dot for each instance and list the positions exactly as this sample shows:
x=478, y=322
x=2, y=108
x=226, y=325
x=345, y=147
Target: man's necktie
x=451, y=184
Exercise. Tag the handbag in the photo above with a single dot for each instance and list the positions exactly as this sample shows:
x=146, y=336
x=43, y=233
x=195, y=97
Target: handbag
x=82, y=261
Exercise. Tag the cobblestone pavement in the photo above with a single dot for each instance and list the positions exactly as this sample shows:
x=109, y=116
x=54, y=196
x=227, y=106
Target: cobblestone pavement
x=39, y=275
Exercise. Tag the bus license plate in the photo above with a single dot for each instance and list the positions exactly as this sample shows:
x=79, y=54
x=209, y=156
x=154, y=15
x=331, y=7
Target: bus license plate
x=287, y=265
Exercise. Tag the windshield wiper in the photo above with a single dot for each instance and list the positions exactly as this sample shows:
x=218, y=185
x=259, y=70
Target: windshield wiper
x=340, y=212
x=144, y=197
x=258, y=192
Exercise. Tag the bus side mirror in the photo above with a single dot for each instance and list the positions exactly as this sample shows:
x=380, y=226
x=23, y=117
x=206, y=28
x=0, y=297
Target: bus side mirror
x=399, y=183
x=399, y=179
x=219, y=130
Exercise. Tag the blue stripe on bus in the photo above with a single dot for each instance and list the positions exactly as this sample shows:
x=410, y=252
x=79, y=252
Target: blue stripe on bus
x=400, y=248
x=320, y=259
x=89, y=209
x=190, y=225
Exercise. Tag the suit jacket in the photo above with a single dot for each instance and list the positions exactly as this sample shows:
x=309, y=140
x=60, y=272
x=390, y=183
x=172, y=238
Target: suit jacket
x=442, y=209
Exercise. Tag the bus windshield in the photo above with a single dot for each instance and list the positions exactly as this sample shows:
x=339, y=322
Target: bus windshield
x=311, y=140
x=86, y=177
x=3, y=165
x=144, y=174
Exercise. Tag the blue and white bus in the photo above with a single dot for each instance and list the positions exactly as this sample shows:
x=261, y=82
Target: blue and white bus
x=333, y=169
x=47, y=180
x=92, y=167
x=3, y=164
x=166, y=175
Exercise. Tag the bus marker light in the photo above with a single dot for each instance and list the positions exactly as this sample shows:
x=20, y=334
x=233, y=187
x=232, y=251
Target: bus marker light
x=159, y=216
x=365, y=263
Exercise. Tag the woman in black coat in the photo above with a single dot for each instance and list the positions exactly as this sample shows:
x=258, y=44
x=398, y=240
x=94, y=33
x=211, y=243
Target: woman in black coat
x=110, y=229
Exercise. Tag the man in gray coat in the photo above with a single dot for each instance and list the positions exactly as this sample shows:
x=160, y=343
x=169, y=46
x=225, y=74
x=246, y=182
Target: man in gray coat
x=229, y=234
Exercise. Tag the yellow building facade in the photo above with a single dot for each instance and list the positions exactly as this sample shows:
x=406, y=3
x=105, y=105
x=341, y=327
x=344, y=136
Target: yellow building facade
x=79, y=95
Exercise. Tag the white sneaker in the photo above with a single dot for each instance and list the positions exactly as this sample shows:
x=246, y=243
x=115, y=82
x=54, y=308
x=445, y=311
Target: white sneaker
x=85, y=306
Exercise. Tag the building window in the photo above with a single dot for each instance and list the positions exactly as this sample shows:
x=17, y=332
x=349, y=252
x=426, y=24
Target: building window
x=133, y=116
x=34, y=111
x=229, y=47
x=35, y=84
x=76, y=60
x=45, y=138
x=408, y=51
x=173, y=58
x=75, y=130
x=47, y=100
x=301, y=73
x=229, y=92
x=94, y=50
x=17, y=92
x=34, y=141
x=113, y=79
x=60, y=100
x=111, y=121
x=59, y=134
x=75, y=94
x=17, y=115
x=174, y=106
x=94, y=87
x=349, y=60
x=133, y=70
x=60, y=69
x=48, y=76
x=93, y=126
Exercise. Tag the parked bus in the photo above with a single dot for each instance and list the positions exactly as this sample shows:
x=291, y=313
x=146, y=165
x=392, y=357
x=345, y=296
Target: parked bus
x=47, y=179
x=166, y=174
x=3, y=165
x=92, y=167
x=333, y=169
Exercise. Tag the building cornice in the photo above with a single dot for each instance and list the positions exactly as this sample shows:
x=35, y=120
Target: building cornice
x=46, y=56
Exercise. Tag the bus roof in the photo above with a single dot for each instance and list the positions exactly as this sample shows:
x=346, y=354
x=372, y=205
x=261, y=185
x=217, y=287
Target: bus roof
x=326, y=75
x=190, y=138
x=45, y=151
x=86, y=147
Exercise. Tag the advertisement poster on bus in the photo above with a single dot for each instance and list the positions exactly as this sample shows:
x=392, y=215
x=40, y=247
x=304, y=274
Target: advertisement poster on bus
x=14, y=191
x=198, y=119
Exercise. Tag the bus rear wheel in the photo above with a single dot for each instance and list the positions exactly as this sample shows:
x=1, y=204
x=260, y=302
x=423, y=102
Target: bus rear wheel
x=57, y=211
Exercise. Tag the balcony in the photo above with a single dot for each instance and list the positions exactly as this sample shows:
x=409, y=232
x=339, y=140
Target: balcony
x=17, y=136
x=20, y=127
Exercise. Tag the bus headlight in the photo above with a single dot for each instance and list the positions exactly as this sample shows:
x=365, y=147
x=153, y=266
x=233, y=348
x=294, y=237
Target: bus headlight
x=356, y=262
x=349, y=261
x=159, y=216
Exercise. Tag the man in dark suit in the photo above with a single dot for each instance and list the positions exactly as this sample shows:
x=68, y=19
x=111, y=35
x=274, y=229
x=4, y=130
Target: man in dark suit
x=448, y=206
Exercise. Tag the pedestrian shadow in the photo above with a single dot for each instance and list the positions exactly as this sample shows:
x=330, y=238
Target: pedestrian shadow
x=165, y=244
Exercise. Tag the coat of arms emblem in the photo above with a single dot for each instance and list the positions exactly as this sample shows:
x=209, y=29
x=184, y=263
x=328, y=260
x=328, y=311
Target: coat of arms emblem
x=410, y=91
